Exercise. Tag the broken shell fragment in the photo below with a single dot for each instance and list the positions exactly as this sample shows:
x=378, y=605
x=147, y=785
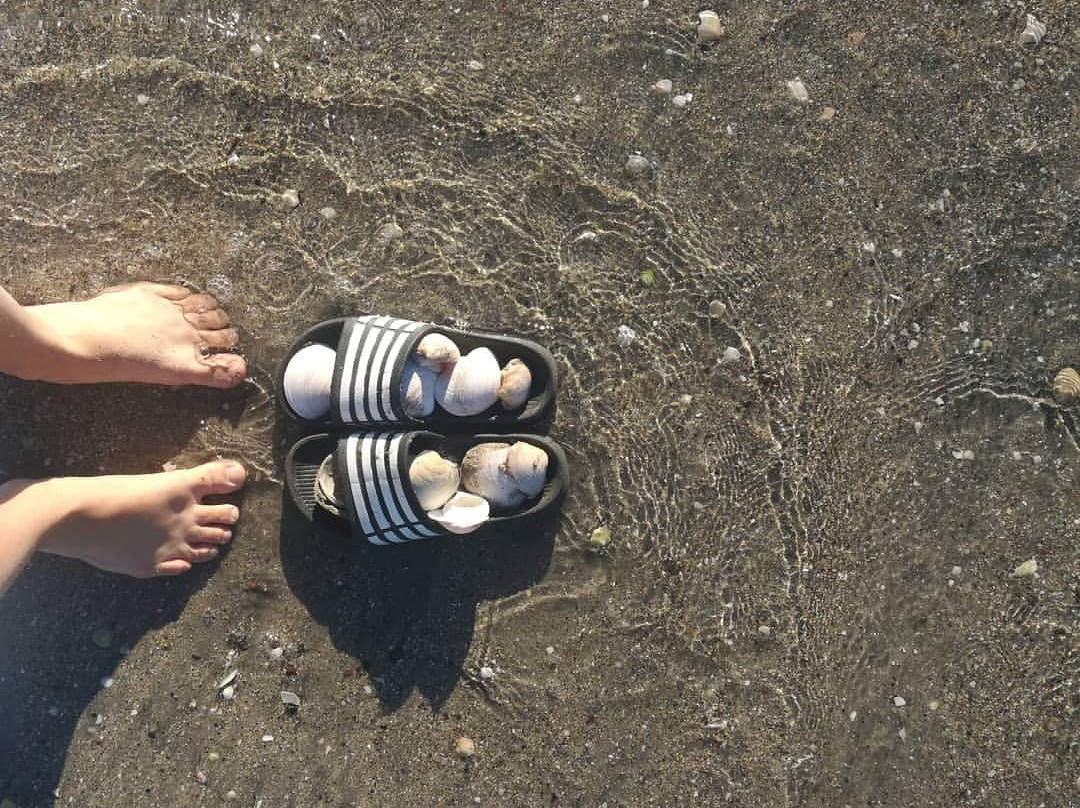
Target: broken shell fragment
x=307, y=380
x=484, y=472
x=515, y=383
x=325, y=491
x=527, y=465
x=1067, y=387
x=471, y=385
x=434, y=479
x=709, y=27
x=437, y=352
x=463, y=513
x=1033, y=32
x=417, y=390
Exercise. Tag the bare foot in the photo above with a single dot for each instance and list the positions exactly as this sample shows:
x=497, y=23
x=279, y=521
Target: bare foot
x=143, y=525
x=142, y=332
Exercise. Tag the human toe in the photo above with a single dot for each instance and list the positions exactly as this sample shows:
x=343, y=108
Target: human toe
x=217, y=514
x=221, y=370
x=172, y=566
x=197, y=303
x=220, y=338
x=205, y=534
x=201, y=553
x=208, y=320
x=217, y=477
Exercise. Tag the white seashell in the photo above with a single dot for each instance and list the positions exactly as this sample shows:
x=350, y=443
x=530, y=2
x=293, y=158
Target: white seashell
x=325, y=490
x=307, y=380
x=527, y=465
x=484, y=472
x=515, y=383
x=463, y=513
x=709, y=27
x=434, y=479
x=1033, y=32
x=417, y=390
x=437, y=352
x=1067, y=387
x=471, y=385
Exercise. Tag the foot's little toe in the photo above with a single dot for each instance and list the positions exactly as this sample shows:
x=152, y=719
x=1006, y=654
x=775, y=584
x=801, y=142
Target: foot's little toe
x=174, y=566
x=217, y=514
x=219, y=477
x=223, y=370
x=208, y=320
x=220, y=338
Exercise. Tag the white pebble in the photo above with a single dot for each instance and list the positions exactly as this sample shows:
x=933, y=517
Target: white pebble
x=267, y=738
x=256, y=50
x=1029, y=567
x=625, y=336
x=663, y=86
x=328, y=213
x=475, y=65
x=487, y=673
x=636, y=164
x=899, y=701
x=389, y=233
x=682, y=100
x=731, y=354
x=142, y=99
x=797, y=90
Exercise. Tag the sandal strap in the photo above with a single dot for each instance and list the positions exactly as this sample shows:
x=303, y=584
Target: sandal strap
x=367, y=376
x=378, y=492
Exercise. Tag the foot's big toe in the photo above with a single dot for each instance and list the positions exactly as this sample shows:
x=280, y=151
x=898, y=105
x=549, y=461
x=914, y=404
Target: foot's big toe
x=219, y=477
x=222, y=370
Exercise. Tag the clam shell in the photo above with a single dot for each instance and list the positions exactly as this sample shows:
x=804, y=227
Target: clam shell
x=709, y=27
x=471, y=385
x=1033, y=32
x=1067, y=387
x=434, y=479
x=515, y=383
x=325, y=491
x=484, y=472
x=437, y=352
x=307, y=380
x=527, y=466
x=463, y=513
x=417, y=390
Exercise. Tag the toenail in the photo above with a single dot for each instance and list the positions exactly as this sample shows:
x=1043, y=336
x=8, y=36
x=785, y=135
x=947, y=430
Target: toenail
x=235, y=475
x=204, y=350
x=235, y=514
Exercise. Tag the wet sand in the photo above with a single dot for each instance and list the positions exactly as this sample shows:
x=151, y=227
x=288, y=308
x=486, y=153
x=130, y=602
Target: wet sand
x=808, y=598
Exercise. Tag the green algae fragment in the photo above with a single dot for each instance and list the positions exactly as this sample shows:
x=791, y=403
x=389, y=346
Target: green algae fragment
x=102, y=638
x=647, y=277
x=600, y=538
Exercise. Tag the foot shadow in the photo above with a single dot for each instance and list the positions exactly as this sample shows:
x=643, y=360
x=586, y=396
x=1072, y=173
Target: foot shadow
x=65, y=626
x=406, y=613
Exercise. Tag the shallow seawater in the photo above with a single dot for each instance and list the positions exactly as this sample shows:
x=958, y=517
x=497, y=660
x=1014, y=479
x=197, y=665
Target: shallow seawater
x=808, y=595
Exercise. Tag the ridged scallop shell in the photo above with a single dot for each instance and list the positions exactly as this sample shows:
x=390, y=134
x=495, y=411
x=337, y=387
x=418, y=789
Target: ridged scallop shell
x=471, y=385
x=434, y=479
x=484, y=472
x=463, y=513
x=1067, y=387
x=325, y=491
x=417, y=390
x=307, y=380
x=515, y=384
x=709, y=27
x=1033, y=32
x=437, y=352
x=527, y=465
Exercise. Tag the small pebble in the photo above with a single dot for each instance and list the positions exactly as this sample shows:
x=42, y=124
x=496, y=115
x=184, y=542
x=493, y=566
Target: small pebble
x=142, y=100
x=717, y=308
x=899, y=701
x=682, y=100
x=1029, y=567
x=255, y=50
x=636, y=164
x=955, y=571
x=389, y=233
x=625, y=335
x=600, y=537
x=731, y=354
x=287, y=199
x=200, y=777
x=709, y=28
x=549, y=650
x=475, y=65
x=231, y=795
x=228, y=692
x=487, y=673
x=827, y=114
x=290, y=699
x=663, y=87
x=465, y=747
x=267, y=738
x=328, y=213
x=797, y=90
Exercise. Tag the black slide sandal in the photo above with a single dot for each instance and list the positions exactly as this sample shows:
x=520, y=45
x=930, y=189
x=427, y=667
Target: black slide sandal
x=370, y=356
x=377, y=500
